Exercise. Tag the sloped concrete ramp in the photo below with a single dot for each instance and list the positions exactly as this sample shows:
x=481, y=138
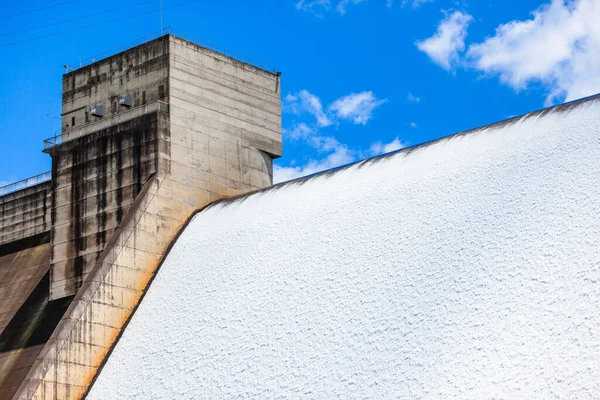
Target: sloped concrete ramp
x=23, y=266
x=464, y=268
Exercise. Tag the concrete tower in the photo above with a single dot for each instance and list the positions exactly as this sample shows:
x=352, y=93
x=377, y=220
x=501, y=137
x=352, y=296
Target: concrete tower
x=149, y=136
x=205, y=125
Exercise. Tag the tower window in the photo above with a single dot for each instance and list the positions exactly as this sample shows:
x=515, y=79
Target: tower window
x=73, y=121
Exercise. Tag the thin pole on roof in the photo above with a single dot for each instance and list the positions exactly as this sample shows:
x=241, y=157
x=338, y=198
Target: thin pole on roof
x=161, y=30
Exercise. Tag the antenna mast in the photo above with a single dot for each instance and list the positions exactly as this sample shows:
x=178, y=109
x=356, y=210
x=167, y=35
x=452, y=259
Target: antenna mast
x=161, y=31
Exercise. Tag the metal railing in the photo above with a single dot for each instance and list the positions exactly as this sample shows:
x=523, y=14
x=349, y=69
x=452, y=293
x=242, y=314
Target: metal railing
x=116, y=50
x=105, y=122
x=168, y=30
x=25, y=183
x=226, y=52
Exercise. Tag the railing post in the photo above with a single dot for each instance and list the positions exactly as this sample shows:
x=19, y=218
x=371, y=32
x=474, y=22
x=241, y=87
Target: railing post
x=132, y=113
x=25, y=183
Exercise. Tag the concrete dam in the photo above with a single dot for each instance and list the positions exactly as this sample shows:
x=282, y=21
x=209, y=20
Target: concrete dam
x=158, y=260
x=466, y=268
x=148, y=136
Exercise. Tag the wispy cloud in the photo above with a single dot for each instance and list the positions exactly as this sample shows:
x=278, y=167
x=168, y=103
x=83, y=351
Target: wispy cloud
x=415, y=3
x=559, y=47
x=341, y=155
x=320, y=7
x=378, y=148
x=341, y=7
x=298, y=131
x=444, y=46
x=317, y=7
x=412, y=98
x=304, y=101
x=324, y=143
x=356, y=107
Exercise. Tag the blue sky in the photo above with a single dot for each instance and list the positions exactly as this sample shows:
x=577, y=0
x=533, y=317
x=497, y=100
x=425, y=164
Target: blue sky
x=360, y=77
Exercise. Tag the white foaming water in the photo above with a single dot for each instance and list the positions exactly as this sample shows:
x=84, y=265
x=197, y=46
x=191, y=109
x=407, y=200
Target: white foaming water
x=468, y=268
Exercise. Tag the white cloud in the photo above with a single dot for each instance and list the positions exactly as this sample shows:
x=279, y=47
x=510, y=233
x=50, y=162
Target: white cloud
x=298, y=131
x=313, y=105
x=415, y=3
x=382, y=148
x=558, y=47
x=317, y=7
x=312, y=137
x=412, y=98
x=324, y=143
x=413, y=125
x=341, y=7
x=357, y=107
x=304, y=101
x=320, y=7
x=340, y=156
x=444, y=46
x=290, y=104
x=284, y=174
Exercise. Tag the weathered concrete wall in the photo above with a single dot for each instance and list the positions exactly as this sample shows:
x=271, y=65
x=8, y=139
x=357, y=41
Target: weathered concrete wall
x=25, y=213
x=217, y=140
x=70, y=359
x=224, y=132
x=225, y=120
x=22, y=265
x=467, y=268
x=103, y=162
x=141, y=72
x=21, y=268
x=14, y=366
x=97, y=177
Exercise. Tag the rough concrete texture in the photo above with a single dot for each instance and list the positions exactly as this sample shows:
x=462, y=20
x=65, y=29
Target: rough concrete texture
x=225, y=121
x=96, y=178
x=140, y=72
x=205, y=151
x=14, y=366
x=224, y=131
x=103, y=161
x=25, y=213
x=20, y=272
x=22, y=266
x=467, y=268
